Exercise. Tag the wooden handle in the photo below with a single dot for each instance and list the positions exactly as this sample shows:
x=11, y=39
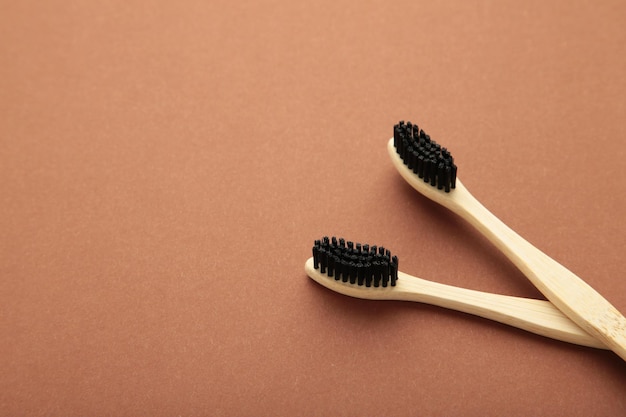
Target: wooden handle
x=570, y=294
x=536, y=316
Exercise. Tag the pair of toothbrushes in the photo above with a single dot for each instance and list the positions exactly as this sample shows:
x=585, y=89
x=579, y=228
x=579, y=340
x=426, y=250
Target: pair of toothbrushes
x=576, y=313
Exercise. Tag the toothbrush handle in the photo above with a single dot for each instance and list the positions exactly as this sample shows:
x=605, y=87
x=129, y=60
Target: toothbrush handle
x=536, y=316
x=573, y=296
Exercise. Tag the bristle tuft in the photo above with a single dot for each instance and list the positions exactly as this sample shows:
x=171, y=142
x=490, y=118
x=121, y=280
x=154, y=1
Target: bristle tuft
x=355, y=263
x=425, y=157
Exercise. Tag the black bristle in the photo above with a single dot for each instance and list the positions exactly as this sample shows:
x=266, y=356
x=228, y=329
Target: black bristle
x=331, y=265
x=426, y=170
x=441, y=176
x=396, y=136
x=377, y=275
x=338, y=267
x=323, y=260
x=370, y=275
x=352, y=272
x=409, y=161
x=360, y=271
x=393, y=270
x=385, y=272
x=446, y=181
x=355, y=263
x=425, y=157
x=420, y=166
x=316, y=254
x=433, y=172
x=416, y=131
x=453, y=176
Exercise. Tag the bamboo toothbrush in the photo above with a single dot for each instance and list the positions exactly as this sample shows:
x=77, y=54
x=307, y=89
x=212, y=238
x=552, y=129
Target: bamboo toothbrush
x=372, y=273
x=430, y=169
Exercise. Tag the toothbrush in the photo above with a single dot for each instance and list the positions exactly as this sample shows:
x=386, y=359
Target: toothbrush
x=372, y=273
x=430, y=169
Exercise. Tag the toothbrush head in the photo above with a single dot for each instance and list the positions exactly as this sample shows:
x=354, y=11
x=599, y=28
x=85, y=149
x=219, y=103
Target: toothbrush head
x=425, y=157
x=362, y=265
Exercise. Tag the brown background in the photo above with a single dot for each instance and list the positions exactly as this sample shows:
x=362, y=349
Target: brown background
x=166, y=166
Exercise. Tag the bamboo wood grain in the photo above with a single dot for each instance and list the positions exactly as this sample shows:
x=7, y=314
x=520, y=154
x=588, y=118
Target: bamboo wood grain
x=569, y=293
x=536, y=316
